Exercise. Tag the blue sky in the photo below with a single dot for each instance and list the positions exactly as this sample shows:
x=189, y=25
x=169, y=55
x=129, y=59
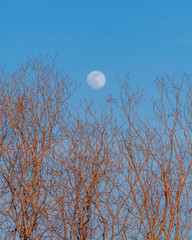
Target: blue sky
x=145, y=38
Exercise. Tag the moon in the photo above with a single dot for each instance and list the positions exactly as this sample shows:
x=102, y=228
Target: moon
x=96, y=79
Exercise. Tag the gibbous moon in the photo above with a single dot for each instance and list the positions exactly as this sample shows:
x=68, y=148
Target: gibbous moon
x=96, y=79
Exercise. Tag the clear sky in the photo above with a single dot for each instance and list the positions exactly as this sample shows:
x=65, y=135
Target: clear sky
x=145, y=38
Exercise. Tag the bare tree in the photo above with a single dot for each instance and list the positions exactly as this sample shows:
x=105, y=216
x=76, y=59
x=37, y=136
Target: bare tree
x=157, y=162
x=32, y=100
x=69, y=173
x=83, y=176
